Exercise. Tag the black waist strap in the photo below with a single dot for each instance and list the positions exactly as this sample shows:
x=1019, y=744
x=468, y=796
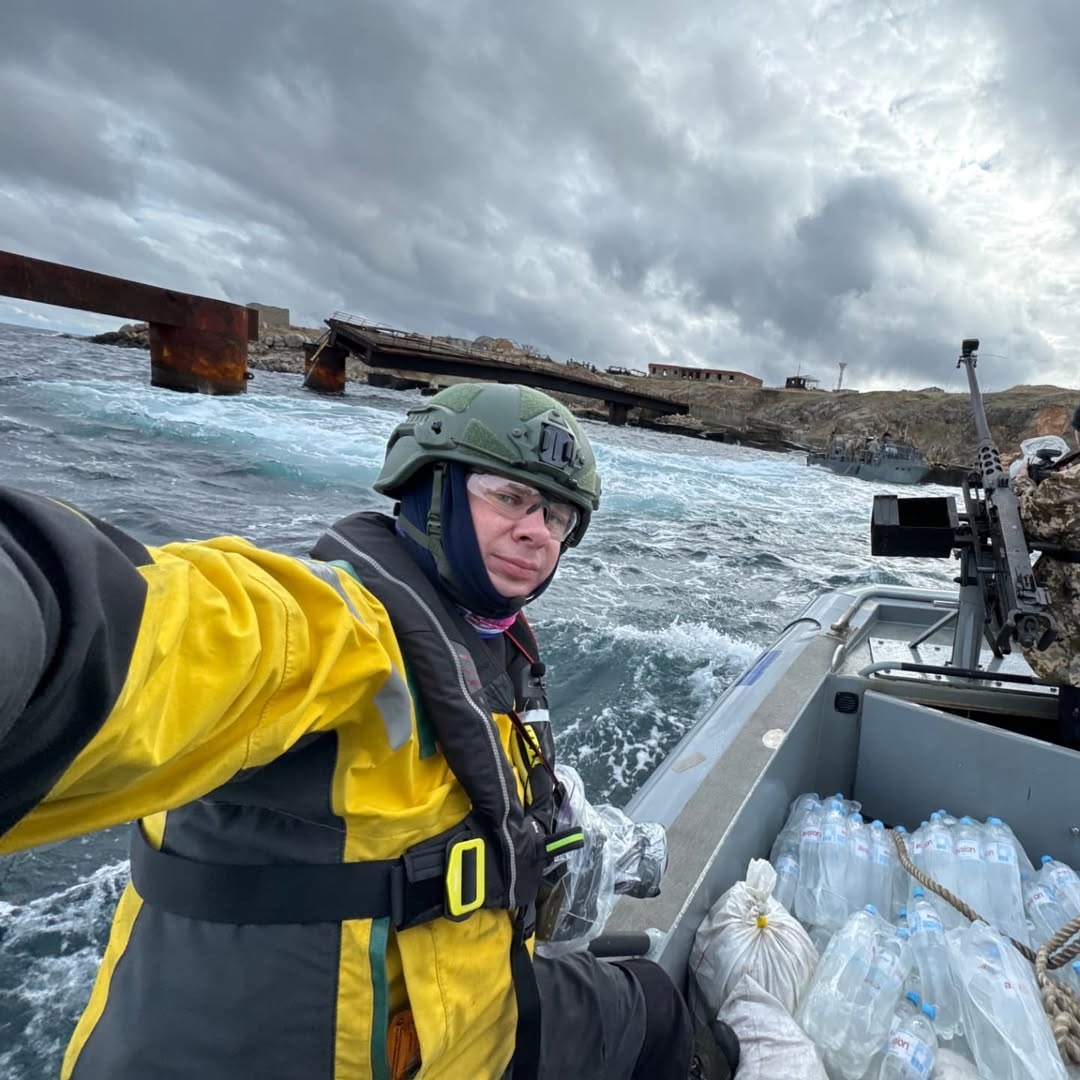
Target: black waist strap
x=409, y=891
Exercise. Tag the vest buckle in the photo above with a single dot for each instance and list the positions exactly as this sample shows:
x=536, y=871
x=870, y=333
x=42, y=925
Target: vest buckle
x=465, y=877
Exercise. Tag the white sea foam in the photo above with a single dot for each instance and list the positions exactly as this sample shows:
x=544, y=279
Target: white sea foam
x=699, y=554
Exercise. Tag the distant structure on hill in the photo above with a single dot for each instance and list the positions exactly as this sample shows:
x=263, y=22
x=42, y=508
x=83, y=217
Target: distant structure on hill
x=699, y=374
x=930, y=390
x=799, y=382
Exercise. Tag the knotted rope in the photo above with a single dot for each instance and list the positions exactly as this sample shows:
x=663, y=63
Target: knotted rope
x=1061, y=1004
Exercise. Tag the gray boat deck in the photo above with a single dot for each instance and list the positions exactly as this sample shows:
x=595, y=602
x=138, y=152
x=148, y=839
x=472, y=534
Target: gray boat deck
x=914, y=742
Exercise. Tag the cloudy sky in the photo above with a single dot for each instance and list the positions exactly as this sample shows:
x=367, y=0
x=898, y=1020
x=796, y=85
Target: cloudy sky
x=767, y=185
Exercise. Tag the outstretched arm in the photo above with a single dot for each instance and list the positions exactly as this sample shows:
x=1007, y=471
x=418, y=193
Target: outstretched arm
x=143, y=678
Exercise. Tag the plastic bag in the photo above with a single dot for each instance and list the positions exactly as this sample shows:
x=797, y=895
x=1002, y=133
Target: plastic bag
x=620, y=857
x=1004, y=1021
x=949, y=1065
x=771, y=1044
x=749, y=932
x=1029, y=451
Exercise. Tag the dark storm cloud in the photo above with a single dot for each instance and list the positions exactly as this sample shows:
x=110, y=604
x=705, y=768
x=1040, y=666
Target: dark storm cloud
x=617, y=184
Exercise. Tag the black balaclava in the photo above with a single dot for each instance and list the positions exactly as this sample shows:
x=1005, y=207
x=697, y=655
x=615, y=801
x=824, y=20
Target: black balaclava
x=470, y=586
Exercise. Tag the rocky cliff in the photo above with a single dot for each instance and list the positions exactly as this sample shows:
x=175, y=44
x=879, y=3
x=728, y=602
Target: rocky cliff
x=940, y=424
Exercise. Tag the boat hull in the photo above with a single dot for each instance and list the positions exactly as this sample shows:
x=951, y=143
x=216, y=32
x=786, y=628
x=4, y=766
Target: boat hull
x=885, y=472
x=821, y=710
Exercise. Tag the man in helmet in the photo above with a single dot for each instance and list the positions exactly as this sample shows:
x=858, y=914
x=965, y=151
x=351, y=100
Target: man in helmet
x=1050, y=512
x=343, y=820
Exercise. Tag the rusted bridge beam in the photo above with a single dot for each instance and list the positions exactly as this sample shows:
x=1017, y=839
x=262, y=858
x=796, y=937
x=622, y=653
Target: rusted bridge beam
x=195, y=343
x=380, y=350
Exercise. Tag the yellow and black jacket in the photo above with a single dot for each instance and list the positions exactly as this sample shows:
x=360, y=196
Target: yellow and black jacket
x=318, y=753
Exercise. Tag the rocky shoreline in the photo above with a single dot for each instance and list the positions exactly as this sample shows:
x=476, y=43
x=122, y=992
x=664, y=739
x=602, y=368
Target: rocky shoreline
x=767, y=418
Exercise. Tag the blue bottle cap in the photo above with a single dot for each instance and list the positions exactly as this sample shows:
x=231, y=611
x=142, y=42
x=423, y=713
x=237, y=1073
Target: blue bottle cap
x=993, y=821
x=930, y=1011
x=1076, y=966
x=937, y=815
x=913, y=998
x=835, y=805
x=857, y=818
x=917, y=891
x=902, y=933
x=875, y=824
x=967, y=820
x=903, y=913
x=871, y=909
x=900, y=829
x=1045, y=859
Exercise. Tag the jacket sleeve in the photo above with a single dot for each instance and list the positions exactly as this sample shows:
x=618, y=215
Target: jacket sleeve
x=1051, y=510
x=136, y=679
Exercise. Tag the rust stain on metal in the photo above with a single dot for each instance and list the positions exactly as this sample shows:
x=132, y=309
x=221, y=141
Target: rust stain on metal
x=324, y=368
x=196, y=343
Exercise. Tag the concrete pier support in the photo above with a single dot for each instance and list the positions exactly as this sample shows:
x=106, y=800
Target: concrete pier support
x=324, y=368
x=617, y=413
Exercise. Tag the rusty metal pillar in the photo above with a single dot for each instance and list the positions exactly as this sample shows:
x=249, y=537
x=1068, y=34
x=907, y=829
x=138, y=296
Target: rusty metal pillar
x=208, y=354
x=324, y=368
x=617, y=413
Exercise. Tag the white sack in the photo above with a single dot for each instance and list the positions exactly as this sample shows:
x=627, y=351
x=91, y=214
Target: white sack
x=748, y=932
x=771, y=1044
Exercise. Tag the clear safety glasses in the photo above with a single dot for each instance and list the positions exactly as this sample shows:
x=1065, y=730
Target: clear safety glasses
x=515, y=501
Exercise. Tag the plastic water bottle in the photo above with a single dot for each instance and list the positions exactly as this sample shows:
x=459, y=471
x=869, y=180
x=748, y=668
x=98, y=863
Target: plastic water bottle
x=912, y=1047
x=823, y=1007
x=931, y=956
x=786, y=864
x=882, y=868
x=1065, y=882
x=859, y=868
x=906, y=1007
x=1004, y=1021
x=832, y=903
x=785, y=850
x=1021, y=855
x=920, y=846
x=941, y=866
x=808, y=888
x=970, y=868
x=797, y=812
x=1042, y=907
x=851, y=806
x=1004, y=897
x=871, y=1007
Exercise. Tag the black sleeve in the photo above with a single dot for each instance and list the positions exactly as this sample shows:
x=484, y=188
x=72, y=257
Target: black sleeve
x=71, y=599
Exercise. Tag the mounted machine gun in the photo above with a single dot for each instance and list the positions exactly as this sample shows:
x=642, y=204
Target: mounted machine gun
x=999, y=597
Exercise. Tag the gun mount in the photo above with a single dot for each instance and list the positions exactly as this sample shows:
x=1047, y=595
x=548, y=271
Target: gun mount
x=999, y=596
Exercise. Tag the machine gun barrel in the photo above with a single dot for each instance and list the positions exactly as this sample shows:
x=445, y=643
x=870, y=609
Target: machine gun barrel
x=1016, y=606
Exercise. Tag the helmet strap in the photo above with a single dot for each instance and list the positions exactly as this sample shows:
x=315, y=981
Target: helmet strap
x=431, y=539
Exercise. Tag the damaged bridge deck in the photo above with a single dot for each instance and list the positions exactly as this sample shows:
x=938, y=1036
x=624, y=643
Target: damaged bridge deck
x=396, y=350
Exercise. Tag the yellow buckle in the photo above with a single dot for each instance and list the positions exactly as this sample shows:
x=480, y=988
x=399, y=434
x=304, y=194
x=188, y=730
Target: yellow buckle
x=458, y=871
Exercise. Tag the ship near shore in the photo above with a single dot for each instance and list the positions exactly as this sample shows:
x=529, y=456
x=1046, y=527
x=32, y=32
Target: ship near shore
x=872, y=458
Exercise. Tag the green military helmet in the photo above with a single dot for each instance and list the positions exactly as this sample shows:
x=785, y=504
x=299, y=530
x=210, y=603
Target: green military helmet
x=513, y=430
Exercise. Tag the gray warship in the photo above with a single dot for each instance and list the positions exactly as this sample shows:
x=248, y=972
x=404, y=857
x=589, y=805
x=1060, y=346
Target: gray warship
x=872, y=458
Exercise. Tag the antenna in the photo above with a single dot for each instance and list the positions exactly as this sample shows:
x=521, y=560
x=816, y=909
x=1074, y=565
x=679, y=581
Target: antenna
x=840, y=381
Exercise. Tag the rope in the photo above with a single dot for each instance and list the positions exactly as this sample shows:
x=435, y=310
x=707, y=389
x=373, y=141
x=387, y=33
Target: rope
x=315, y=358
x=1061, y=1004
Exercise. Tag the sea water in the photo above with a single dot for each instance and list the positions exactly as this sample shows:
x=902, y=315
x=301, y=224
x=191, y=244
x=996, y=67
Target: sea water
x=701, y=552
